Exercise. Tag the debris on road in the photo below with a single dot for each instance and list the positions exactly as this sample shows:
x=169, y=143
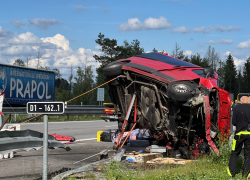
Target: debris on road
x=88, y=167
x=102, y=155
x=63, y=138
x=155, y=148
x=118, y=156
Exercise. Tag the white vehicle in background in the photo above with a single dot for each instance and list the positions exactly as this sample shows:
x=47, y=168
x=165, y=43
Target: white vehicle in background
x=109, y=112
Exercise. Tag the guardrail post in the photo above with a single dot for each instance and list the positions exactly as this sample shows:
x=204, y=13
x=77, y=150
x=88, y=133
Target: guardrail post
x=45, y=147
x=15, y=115
x=9, y=118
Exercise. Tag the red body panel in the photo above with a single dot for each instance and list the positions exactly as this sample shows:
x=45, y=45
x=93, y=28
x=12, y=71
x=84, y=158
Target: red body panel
x=63, y=138
x=209, y=83
x=224, y=112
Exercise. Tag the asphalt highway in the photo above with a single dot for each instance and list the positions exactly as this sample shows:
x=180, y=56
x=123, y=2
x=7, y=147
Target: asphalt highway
x=29, y=165
x=79, y=129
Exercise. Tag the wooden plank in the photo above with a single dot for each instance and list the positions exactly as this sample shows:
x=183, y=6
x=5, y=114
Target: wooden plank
x=169, y=161
x=143, y=157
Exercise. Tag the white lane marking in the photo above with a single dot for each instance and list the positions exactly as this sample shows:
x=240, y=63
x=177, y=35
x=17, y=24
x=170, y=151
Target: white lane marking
x=86, y=139
x=111, y=126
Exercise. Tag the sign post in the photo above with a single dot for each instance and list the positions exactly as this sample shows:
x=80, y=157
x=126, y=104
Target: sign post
x=45, y=108
x=45, y=147
x=100, y=94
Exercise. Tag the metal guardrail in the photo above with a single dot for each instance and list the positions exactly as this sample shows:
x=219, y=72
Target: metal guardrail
x=70, y=110
x=26, y=140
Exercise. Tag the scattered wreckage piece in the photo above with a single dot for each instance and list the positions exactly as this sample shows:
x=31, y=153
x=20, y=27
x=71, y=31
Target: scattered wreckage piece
x=88, y=167
x=179, y=102
x=142, y=157
x=160, y=161
x=102, y=155
x=63, y=138
x=25, y=140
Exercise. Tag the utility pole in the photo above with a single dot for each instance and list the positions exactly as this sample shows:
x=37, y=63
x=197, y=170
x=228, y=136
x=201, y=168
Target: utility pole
x=27, y=61
x=38, y=59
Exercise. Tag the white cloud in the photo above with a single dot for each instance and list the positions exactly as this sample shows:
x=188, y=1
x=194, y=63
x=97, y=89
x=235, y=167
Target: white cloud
x=134, y=24
x=17, y=23
x=97, y=47
x=188, y=53
x=43, y=23
x=227, y=53
x=25, y=38
x=105, y=9
x=223, y=41
x=58, y=40
x=154, y=23
x=237, y=61
x=245, y=44
x=18, y=49
x=229, y=28
x=80, y=8
x=203, y=29
x=54, y=52
x=182, y=30
x=4, y=32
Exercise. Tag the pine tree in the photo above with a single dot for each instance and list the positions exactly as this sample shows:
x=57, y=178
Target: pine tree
x=154, y=50
x=186, y=59
x=111, y=51
x=197, y=60
x=246, y=76
x=19, y=62
x=239, y=81
x=177, y=53
x=212, y=57
x=230, y=83
x=221, y=74
x=84, y=82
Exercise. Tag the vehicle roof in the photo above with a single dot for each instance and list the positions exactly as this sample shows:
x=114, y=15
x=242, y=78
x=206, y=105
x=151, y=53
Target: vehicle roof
x=166, y=59
x=164, y=68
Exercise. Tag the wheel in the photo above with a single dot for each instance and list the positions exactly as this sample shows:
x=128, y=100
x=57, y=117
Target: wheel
x=113, y=69
x=181, y=90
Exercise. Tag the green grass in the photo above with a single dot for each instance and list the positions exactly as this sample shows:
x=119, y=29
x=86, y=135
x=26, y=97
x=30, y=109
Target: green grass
x=55, y=118
x=206, y=167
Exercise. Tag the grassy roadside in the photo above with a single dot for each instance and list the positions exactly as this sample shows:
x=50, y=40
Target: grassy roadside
x=207, y=167
x=55, y=118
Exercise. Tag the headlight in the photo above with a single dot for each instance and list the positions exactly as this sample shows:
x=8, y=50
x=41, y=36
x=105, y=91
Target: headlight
x=181, y=88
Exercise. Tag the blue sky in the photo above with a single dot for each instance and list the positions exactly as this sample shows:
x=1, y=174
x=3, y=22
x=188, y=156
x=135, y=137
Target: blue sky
x=64, y=31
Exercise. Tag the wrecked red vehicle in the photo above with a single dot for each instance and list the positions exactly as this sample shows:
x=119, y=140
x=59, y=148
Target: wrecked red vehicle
x=179, y=102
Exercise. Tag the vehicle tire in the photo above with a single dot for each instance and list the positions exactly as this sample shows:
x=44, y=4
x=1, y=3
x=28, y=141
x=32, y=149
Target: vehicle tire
x=113, y=69
x=181, y=90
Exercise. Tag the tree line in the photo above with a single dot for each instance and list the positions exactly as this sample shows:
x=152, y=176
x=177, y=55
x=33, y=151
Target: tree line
x=230, y=78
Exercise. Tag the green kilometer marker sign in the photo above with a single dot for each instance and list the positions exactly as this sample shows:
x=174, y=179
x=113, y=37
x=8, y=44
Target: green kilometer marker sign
x=45, y=107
